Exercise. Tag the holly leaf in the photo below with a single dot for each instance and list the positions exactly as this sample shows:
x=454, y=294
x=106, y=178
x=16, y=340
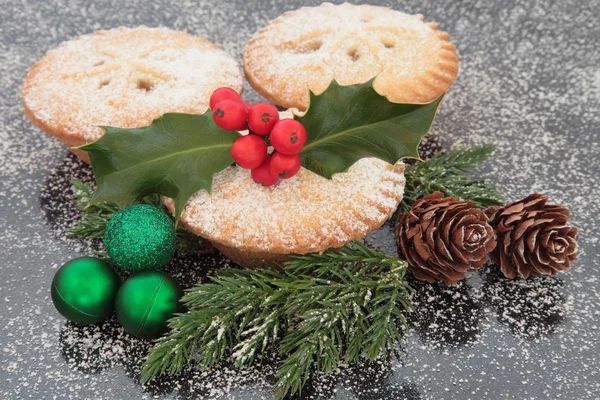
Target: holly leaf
x=347, y=123
x=175, y=156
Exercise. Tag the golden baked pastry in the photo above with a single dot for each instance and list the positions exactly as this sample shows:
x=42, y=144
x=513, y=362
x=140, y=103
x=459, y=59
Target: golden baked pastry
x=124, y=78
x=414, y=62
x=251, y=223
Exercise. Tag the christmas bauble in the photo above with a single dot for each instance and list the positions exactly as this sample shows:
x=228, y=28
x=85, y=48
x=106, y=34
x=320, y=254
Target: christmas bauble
x=146, y=301
x=140, y=237
x=84, y=289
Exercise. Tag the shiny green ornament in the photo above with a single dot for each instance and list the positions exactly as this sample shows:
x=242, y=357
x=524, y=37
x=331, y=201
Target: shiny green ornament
x=140, y=237
x=146, y=301
x=84, y=290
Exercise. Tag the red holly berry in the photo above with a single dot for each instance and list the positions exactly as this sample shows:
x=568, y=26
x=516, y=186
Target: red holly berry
x=247, y=105
x=262, y=173
x=249, y=151
x=230, y=115
x=288, y=136
x=262, y=117
x=284, y=166
x=224, y=93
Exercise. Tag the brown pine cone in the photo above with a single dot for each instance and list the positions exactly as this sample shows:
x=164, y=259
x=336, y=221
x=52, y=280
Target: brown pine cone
x=442, y=238
x=534, y=238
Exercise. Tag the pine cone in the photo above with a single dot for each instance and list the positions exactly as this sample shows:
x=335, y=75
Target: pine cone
x=442, y=238
x=534, y=238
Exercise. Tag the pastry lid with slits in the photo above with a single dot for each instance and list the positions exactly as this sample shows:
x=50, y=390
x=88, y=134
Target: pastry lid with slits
x=124, y=77
x=413, y=61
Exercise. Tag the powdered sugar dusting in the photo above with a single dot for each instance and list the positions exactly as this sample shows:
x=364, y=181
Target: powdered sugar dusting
x=124, y=78
x=298, y=215
x=528, y=83
x=412, y=60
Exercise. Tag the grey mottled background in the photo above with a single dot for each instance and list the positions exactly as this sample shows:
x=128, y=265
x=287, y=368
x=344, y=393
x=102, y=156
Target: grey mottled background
x=529, y=82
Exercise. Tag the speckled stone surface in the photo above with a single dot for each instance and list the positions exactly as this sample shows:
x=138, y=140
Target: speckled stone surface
x=529, y=82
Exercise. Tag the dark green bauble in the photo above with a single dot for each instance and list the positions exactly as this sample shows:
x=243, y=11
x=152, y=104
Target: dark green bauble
x=84, y=290
x=146, y=301
x=140, y=237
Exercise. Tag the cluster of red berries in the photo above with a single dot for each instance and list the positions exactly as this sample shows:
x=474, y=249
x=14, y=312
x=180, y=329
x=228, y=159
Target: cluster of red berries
x=287, y=136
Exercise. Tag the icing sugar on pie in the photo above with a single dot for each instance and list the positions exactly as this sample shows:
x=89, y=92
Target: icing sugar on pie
x=123, y=78
x=250, y=223
x=413, y=61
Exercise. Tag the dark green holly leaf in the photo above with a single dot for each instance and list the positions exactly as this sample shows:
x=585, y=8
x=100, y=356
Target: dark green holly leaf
x=347, y=123
x=176, y=155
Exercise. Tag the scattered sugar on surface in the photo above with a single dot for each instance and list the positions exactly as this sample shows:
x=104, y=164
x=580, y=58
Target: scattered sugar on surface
x=528, y=83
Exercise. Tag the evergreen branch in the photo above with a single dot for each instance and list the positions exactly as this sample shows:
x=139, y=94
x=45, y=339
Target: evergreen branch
x=317, y=341
x=95, y=218
x=448, y=172
x=314, y=312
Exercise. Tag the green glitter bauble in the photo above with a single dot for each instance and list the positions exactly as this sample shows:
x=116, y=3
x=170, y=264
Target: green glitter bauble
x=84, y=290
x=140, y=237
x=146, y=301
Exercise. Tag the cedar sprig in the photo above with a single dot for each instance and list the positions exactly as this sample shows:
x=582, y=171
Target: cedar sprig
x=312, y=313
x=449, y=173
x=95, y=217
